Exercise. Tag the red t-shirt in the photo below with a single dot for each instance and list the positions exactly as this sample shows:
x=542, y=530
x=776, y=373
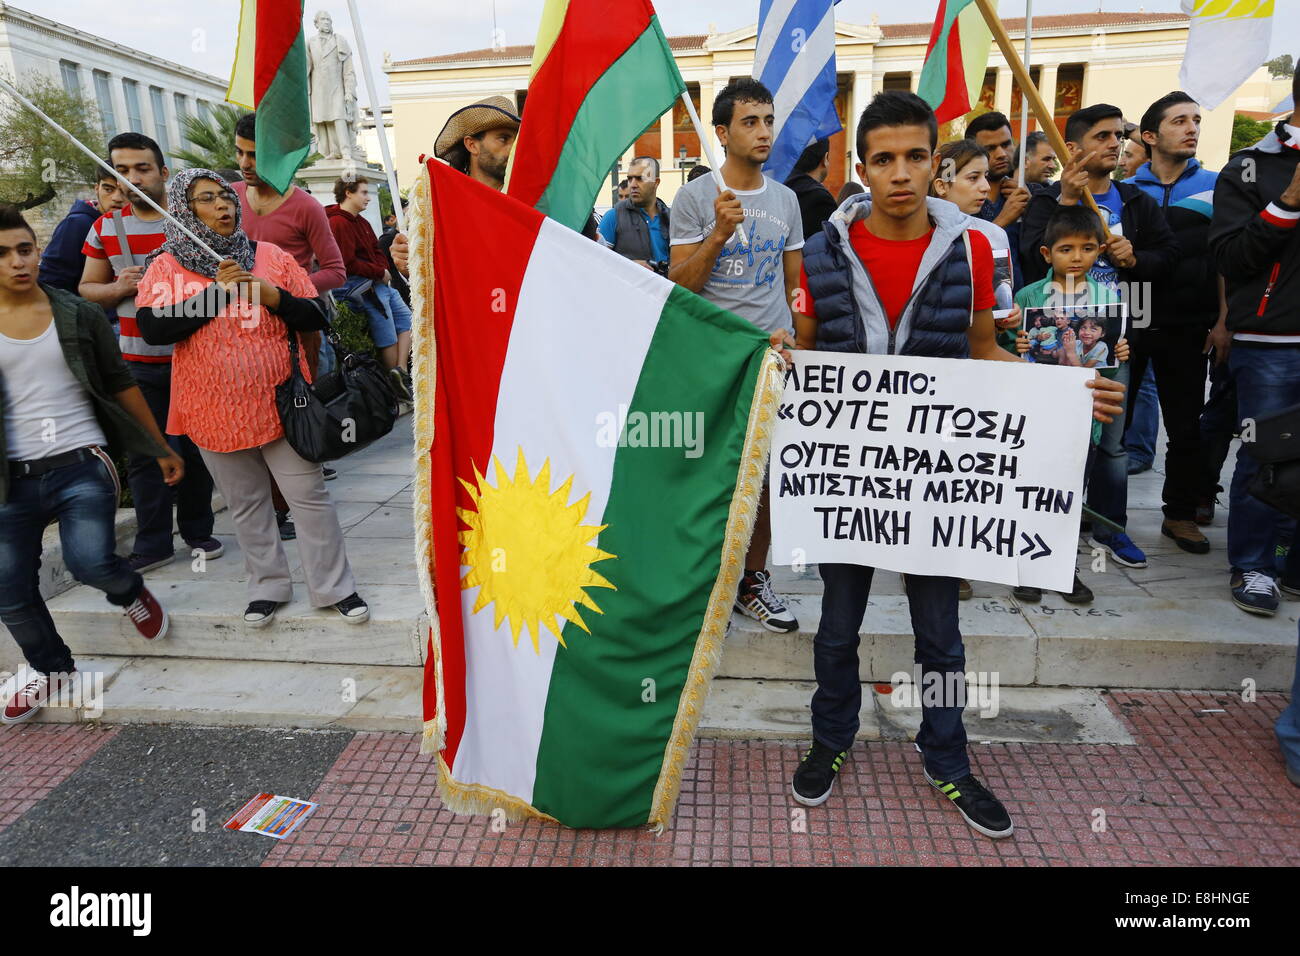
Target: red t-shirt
x=893, y=264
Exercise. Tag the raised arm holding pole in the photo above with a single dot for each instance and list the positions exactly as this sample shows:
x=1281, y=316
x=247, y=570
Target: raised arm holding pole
x=12, y=91
x=1028, y=89
x=708, y=154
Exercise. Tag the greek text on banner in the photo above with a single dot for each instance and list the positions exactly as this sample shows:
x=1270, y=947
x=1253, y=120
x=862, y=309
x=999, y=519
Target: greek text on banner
x=960, y=468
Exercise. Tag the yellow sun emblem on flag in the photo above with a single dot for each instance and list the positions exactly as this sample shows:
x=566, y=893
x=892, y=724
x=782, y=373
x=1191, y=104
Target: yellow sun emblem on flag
x=528, y=552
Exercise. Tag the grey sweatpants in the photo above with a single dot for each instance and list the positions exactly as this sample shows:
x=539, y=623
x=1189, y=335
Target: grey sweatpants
x=245, y=483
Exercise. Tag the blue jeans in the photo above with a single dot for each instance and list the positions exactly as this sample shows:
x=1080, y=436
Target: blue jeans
x=1108, y=478
x=1288, y=723
x=1268, y=380
x=1144, y=430
x=83, y=499
x=838, y=698
x=384, y=308
x=153, y=497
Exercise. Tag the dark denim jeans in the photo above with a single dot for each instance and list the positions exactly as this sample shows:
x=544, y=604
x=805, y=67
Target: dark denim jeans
x=1108, y=476
x=1218, y=425
x=1288, y=723
x=153, y=497
x=82, y=498
x=1268, y=380
x=838, y=698
x=1144, y=421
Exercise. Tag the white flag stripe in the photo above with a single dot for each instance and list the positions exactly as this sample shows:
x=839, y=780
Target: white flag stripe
x=773, y=30
x=807, y=66
x=1222, y=53
x=551, y=408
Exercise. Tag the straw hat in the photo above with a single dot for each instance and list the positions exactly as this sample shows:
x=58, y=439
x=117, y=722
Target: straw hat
x=495, y=112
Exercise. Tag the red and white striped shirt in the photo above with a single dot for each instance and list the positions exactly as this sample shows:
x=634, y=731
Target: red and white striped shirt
x=142, y=237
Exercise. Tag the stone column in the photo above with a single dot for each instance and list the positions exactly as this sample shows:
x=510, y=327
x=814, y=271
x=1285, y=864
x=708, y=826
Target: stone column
x=1047, y=87
x=1002, y=92
x=706, y=120
x=667, y=155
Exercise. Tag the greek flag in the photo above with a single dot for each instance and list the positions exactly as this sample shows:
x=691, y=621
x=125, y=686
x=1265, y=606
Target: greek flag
x=795, y=59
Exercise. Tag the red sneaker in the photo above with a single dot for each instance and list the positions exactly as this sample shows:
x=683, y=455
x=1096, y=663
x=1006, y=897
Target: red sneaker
x=148, y=616
x=31, y=697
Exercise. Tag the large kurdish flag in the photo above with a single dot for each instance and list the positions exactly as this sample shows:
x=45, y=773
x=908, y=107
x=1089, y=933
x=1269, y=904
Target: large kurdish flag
x=270, y=76
x=584, y=562
x=602, y=73
x=956, y=60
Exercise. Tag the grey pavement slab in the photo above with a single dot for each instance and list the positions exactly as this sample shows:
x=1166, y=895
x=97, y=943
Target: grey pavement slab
x=158, y=796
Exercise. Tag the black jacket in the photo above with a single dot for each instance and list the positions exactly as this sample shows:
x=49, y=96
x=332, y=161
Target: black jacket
x=1154, y=243
x=815, y=203
x=1257, y=250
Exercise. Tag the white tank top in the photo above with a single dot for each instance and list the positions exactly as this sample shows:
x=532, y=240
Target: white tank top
x=47, y=412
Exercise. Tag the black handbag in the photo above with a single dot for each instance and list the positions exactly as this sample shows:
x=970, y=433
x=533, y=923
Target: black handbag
x=342, y=412
x=1276, y=446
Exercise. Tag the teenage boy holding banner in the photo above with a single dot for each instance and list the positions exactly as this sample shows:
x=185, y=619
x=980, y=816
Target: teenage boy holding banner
x=857, y=296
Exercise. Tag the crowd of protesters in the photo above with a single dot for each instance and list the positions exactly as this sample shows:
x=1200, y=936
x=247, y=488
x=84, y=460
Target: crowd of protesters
x=1206, y=266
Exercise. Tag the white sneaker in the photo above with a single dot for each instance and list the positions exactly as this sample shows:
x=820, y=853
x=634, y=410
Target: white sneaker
x=757, y=600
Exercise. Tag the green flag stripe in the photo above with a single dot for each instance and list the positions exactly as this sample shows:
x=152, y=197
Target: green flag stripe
x=605, y=728
x=283, y=121
x=635, y=91
x=933, y=84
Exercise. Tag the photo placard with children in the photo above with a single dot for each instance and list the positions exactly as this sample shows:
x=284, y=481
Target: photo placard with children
x=1080, y=336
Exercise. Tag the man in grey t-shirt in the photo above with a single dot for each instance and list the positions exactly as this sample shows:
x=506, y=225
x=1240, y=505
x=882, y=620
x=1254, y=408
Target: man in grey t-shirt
x=755, y=278
x=747, y=279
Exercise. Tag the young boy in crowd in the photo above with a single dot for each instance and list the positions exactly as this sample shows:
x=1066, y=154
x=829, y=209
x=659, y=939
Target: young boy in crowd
x=66, y=400
x=1072, y=243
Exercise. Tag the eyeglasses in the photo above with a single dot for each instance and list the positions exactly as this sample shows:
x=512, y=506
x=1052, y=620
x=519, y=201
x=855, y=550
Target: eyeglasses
x=207, y=199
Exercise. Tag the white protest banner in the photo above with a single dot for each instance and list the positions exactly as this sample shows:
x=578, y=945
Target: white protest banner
x=964, y=468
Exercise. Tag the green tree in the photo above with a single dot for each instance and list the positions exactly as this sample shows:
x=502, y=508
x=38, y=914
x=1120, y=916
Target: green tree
x=1281, y=65
x=1247, y=132
x=34, y=157
x=213, y=144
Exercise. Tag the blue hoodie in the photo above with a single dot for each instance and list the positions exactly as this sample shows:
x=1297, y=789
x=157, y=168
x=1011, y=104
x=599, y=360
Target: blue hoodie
x=1189, y=295
x=62, y=260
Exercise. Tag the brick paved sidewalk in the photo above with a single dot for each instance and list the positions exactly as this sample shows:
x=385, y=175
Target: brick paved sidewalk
x=1204, y=785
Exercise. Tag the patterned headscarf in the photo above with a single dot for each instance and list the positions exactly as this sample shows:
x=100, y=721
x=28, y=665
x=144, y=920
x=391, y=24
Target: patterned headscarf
x=234, y=246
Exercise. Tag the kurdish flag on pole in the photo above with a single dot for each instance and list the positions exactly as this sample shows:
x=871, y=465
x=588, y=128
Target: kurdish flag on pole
x=956, y=59
x=270, y=76
x=590, y=443
x=1227, y=41
x=602, y=73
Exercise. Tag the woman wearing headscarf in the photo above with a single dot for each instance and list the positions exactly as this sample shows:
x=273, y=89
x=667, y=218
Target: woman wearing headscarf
x=230, y=322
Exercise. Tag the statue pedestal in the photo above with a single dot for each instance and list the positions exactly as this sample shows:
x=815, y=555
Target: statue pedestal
x=321, y=176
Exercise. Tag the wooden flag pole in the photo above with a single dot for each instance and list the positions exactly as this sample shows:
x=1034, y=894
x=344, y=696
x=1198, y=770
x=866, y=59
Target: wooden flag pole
x=1030, y=91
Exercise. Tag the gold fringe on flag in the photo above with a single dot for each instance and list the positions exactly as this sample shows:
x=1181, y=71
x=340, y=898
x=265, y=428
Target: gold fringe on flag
x=424, y=379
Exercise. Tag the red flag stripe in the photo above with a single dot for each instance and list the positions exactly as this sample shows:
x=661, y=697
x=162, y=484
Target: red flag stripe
x=479, y=264
x=592, y=38
x=278, y=24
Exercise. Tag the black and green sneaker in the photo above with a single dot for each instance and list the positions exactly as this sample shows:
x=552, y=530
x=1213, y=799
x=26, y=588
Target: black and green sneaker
x=815, y=776
x=983, y=811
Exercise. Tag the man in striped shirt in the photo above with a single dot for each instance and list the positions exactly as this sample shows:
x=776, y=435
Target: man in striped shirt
x=116, y=248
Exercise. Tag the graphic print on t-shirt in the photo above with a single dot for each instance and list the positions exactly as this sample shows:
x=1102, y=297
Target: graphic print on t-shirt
x=1104, y=271
x=747, y=278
